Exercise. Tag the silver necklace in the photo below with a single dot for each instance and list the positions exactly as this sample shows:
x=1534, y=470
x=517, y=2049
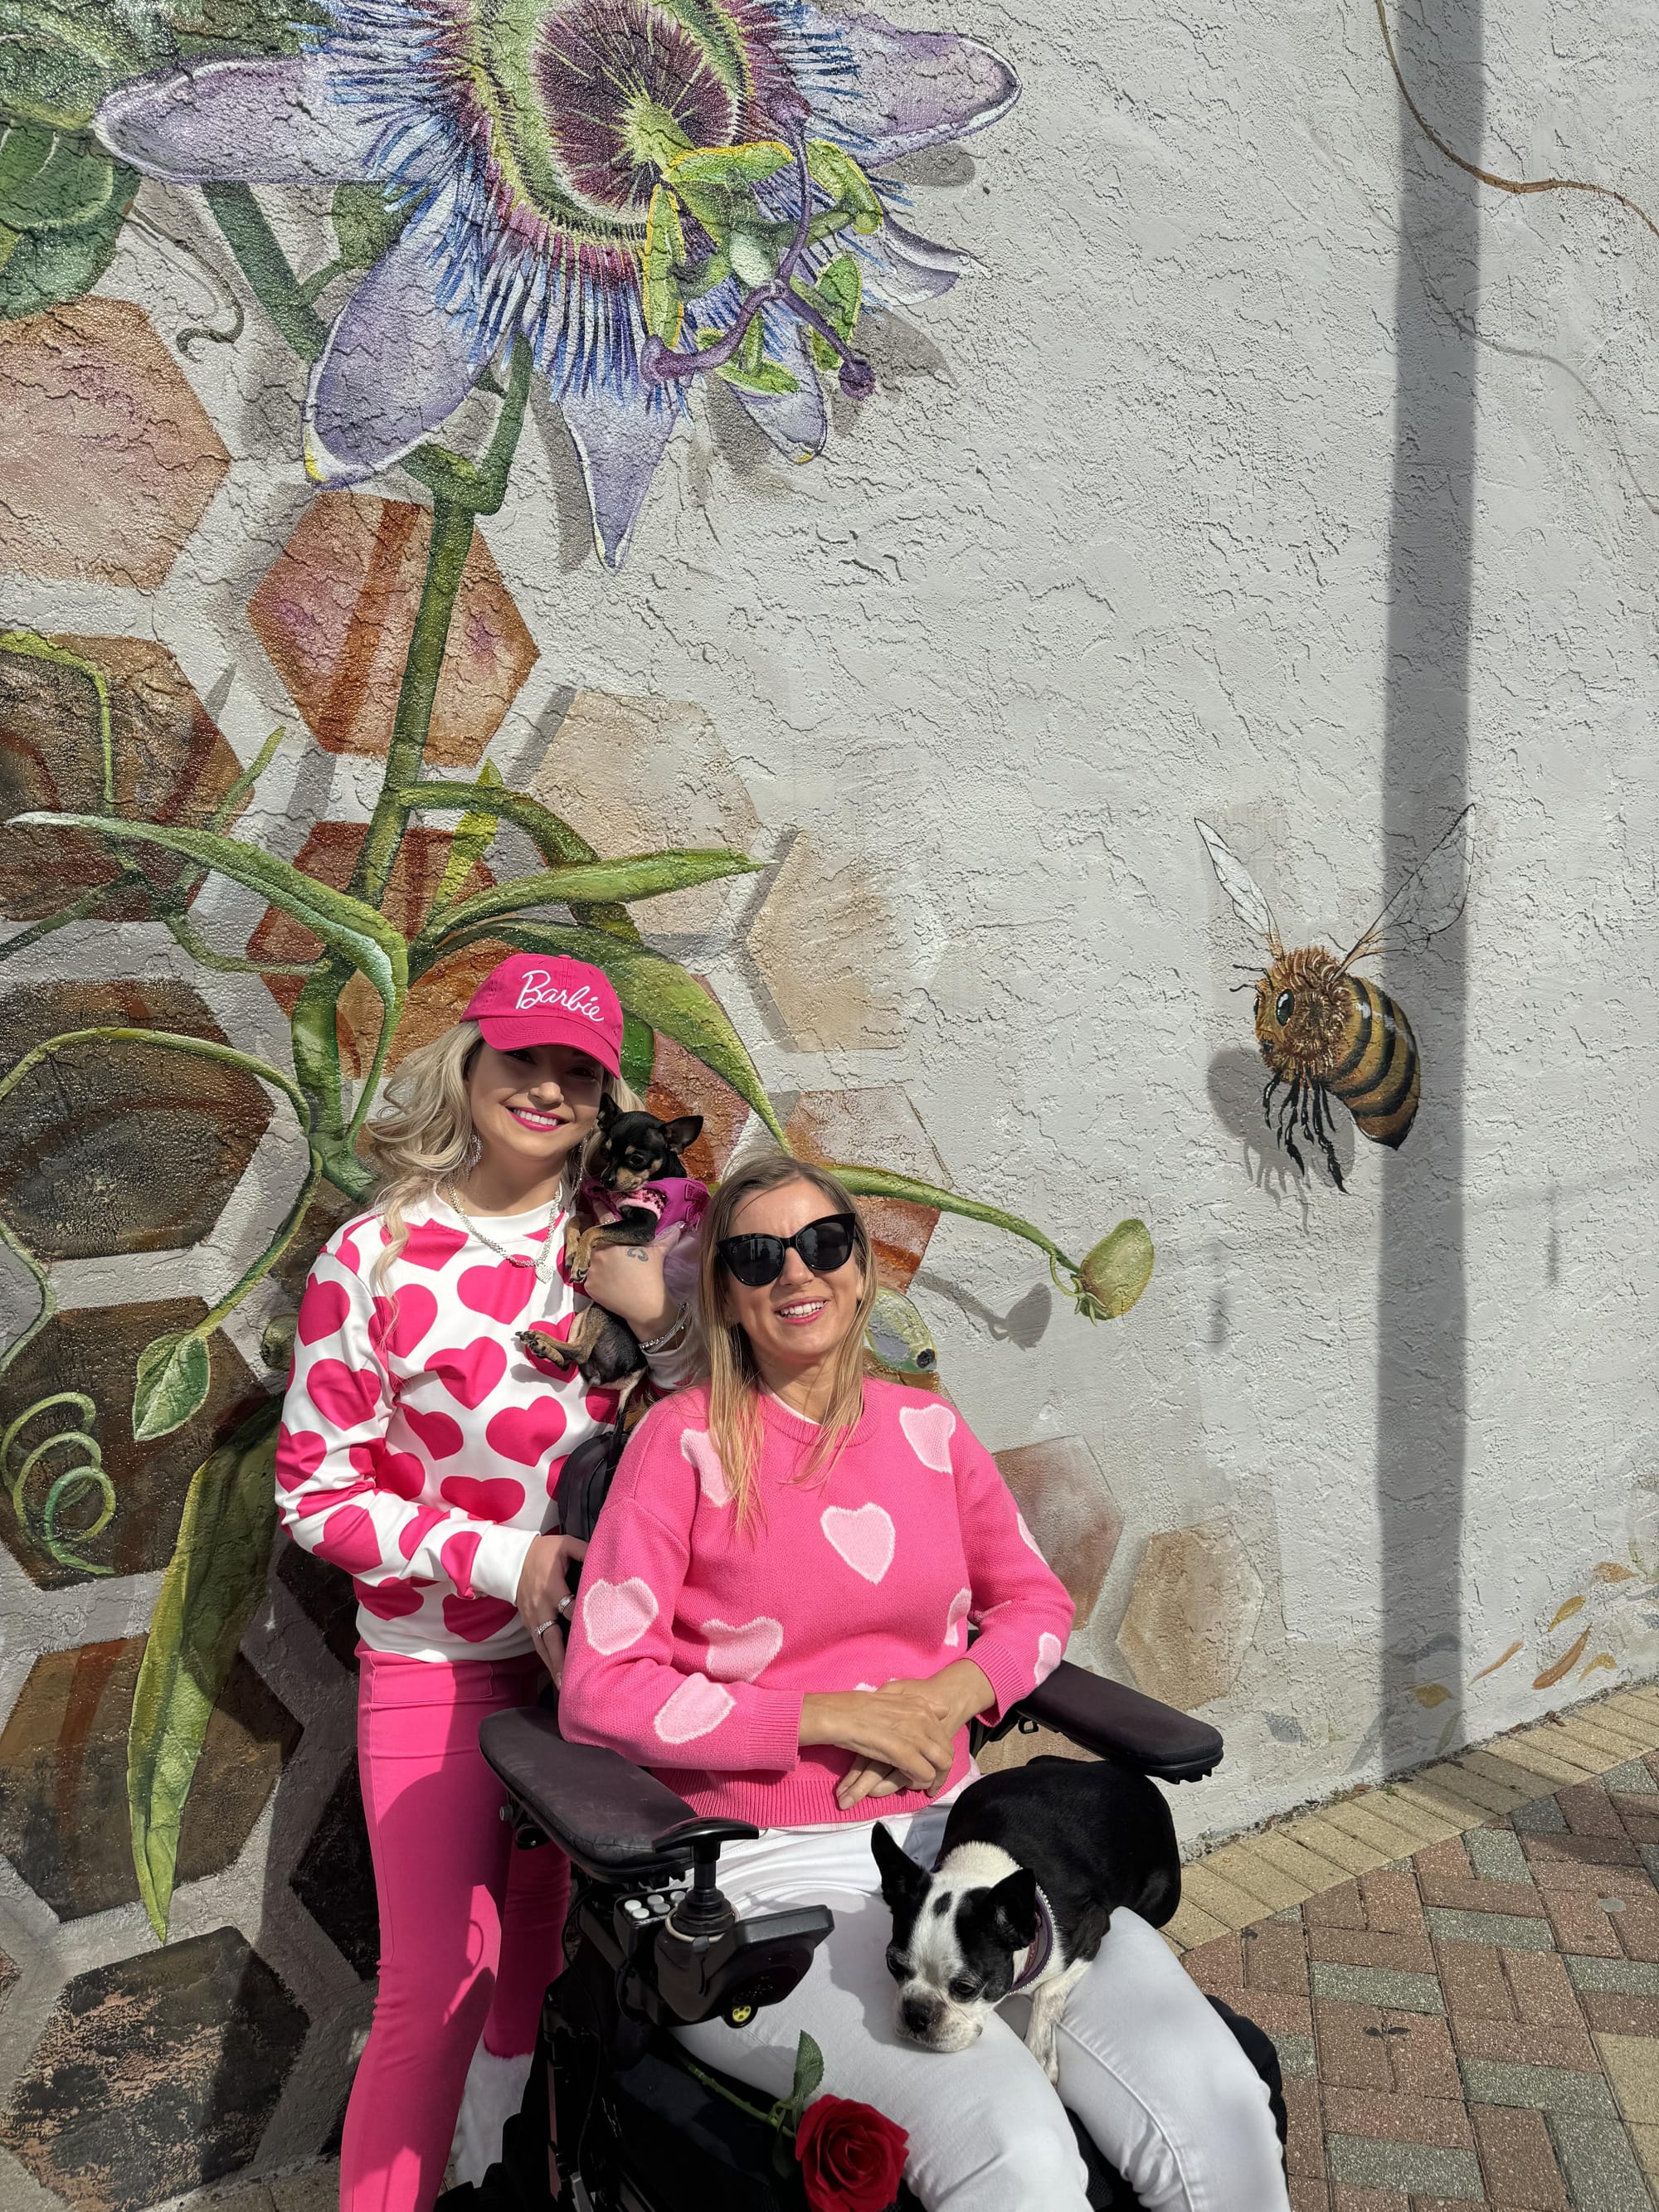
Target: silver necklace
x=541, y=1268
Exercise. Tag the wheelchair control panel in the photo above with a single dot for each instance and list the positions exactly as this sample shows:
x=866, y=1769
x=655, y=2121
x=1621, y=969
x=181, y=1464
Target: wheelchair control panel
x=680, y=1953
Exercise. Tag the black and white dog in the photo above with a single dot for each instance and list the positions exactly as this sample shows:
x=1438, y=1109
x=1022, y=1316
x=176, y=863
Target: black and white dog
x=1034, y=1863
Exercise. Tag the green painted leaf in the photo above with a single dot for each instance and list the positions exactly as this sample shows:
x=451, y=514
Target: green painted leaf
x=639, y=1053
x=709, y=273
x=665, y=249
x=711, y=205
x=47, y=268
x=48, y=77
x=753, y=255
x=837, y=295
x=767, y=378
x=1118, y=1269
x=840, y=176
x=737, y=167
x=660, y=993
x=345, y=924
x=651, y=875
x=52, y=180
x=367, y=221
x=473, y=837
x=213, y=1581
x=171, y=1385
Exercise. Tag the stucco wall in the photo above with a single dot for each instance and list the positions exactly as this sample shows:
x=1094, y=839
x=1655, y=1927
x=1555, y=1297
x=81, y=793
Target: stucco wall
x=1265, y=468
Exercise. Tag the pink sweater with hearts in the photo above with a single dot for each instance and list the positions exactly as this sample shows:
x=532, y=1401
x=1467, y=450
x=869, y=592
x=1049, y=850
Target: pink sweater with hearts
x=420, y=1446
x=692, y=1645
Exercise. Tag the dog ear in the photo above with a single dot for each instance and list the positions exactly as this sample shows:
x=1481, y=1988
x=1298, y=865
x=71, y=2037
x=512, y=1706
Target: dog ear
x=681, y=1135
x=1013, y=1907
x=609, y=1109
x=902, y=1881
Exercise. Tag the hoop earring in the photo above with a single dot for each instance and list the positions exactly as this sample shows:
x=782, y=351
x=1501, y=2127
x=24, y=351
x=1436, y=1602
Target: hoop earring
x=472, y=1155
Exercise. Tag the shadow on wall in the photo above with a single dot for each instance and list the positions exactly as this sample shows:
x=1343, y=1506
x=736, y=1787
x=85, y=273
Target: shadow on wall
x=1422, y=1404
x=1236, y=1079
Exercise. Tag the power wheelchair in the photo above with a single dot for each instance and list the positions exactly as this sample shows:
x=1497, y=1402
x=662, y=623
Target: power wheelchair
x=611, y=2119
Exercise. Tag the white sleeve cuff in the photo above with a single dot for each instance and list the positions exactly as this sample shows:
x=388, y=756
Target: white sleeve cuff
x=499, y=1561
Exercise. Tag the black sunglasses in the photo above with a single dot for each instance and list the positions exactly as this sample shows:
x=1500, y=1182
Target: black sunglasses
x=823, y=1245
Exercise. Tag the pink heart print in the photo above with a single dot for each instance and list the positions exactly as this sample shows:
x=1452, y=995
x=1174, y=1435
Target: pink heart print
x=1050, y=1652
x=928, y=1431
x=474, y=1619
x=742, y=1655
x=470, y=1371
x=414, y=1310
x=1027, y=1537
x=390, y=1600
x=439, y=1433
x=418, y=1527
x=523, y=1433
x=323, y=1311
x=431, y=1245
x=300, y=1453
x=697, y=1446
x=863, y=1536
x=345, y=1395
x=502, y=1291
x=616, y=1614
x=495, y=1497
x=958, y=1612
x=349, y=1541
x=696, y=1707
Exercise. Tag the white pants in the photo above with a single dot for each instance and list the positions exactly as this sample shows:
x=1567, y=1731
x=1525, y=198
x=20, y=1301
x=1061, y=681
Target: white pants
x=1149, y=2069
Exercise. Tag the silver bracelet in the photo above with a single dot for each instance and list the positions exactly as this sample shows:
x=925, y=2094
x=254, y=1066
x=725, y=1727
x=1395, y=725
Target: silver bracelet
x=676, y=1327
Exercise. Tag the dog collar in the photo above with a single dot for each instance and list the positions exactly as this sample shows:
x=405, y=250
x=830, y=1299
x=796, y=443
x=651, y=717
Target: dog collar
x=1042, y=1950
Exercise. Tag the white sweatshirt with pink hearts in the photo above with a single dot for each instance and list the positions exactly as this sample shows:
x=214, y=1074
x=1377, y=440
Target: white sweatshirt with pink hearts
x=420, y=1446
x=694, y=1644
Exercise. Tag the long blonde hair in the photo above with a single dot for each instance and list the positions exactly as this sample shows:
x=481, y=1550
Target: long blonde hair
x=424, y=1136
x=734, y=1380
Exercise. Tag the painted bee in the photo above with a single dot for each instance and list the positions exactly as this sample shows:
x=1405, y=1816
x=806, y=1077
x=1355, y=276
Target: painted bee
x=1325, y=1032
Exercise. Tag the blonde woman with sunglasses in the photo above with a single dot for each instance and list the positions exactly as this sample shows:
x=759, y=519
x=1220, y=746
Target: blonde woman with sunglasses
x=773, y=1615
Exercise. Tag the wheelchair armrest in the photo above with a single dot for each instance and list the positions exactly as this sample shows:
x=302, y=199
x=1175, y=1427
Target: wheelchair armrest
x=611, y=1818
x=1114, y=1721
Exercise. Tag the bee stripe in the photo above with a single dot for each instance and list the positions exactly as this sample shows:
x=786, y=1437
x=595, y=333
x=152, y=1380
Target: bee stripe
x=1380, y=1079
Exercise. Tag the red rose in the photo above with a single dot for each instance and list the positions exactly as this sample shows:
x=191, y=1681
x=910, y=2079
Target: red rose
x=851, y=2156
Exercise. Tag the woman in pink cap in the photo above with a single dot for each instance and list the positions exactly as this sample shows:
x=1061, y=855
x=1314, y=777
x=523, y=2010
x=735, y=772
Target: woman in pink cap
x=420, y=1451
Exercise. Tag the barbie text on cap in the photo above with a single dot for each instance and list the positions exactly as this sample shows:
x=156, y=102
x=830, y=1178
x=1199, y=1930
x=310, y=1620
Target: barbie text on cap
x=530, y=1000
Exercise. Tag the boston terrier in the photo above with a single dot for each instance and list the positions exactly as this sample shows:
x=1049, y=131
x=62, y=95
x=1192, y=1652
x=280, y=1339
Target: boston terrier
x=1034, y=1862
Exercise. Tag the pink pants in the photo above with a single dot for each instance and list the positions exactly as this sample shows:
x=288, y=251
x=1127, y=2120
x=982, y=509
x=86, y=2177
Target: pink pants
x=470, y=1926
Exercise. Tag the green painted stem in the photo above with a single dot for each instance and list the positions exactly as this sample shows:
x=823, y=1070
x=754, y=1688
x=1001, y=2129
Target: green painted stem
x=451, y=541
x=265, y=266
x=272, y=1253
x=879, y=1182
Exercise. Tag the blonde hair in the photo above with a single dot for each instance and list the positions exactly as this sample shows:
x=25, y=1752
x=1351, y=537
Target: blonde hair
x=734, y=1380
x=425, y=1136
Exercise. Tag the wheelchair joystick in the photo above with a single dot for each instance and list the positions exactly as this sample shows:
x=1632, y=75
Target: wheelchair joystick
x=701, y=1913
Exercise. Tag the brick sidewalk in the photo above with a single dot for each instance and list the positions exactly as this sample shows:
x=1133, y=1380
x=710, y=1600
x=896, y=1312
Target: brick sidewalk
x=1474, y=2021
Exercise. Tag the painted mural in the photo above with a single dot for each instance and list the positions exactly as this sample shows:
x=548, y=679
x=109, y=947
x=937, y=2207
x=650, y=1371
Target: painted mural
x=672, y=196
x=1325, y=1032
x=407, y=556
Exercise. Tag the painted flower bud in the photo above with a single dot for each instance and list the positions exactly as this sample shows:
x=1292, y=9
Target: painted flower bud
x=1113, y=1275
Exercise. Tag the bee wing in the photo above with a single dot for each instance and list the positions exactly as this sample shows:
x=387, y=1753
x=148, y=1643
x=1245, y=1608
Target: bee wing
x=1431, y=897
x=1240, y=887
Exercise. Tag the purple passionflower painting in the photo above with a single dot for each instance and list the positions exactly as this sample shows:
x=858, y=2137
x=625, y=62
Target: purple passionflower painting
x=538, y=148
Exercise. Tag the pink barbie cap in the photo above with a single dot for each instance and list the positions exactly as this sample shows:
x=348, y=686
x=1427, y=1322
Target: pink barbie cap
x=529, y=1001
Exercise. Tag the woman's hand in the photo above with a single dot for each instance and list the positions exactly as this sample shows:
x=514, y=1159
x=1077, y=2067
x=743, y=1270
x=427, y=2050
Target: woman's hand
x=626, y=1280
x=955, y=1694
x=542, y=1590
x=895, y=1730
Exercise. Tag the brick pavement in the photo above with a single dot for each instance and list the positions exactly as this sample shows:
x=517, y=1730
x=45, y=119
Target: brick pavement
x=1460, y=1973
